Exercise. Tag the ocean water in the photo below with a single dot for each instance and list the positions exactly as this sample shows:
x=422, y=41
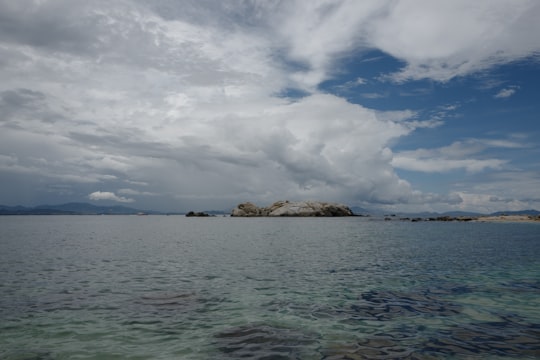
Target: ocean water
x=170, y=287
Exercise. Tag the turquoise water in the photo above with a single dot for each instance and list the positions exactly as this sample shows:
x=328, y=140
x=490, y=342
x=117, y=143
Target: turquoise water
x=170, y=287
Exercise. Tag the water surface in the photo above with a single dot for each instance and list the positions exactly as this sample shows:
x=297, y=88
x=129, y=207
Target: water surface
x=170, y=287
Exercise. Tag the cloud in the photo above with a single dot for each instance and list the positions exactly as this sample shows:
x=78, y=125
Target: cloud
x=434, y=164
x=506, y=92
x=188, y=101
x=105, y=195
x=360, y=81
x=135, y=192
x=373, y=95
x=488, y=202
x=458, y=155
x=504, y=143
x=319, y=146
x=351, y=85
x=436, y=40
x=441, y=40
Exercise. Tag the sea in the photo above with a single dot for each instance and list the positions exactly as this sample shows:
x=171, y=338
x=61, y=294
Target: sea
x=172, y=287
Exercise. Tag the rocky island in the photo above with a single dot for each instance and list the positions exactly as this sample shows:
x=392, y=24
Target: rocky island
x=292, y=208
x=197, y=214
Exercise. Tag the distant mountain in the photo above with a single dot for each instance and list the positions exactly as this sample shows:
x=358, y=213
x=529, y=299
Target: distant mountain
x=21, y=210
x=461, y=213
x=471, y=214
x=12, y=208
x=521, y=212
x=89, y=209
x=359, y=211
x=72, y=209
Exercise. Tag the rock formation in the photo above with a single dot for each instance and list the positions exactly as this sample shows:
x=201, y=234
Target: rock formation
x=197, y=214
x=246, y=209
x=292, y=208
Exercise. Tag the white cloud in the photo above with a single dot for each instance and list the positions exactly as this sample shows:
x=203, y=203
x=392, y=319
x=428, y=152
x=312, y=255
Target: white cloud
x=317, y=31
x=351, y=85
x=458, y=155
x=506, y=92
x=504, y=143
x=436, y=39
x=184, y=100
x=444, y=39
x=138, y=183
x=360, y=81
x=135, y=192
x=408, y=161
x=105, y=195
x=319, y=146
x=488, y=202
x=373, y=95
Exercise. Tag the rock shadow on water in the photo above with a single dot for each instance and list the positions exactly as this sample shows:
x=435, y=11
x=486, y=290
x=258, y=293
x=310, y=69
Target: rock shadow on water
x=263, y=341
x=378, y=346
x=522, y=286
x=387, y=305
x=27, y=355
x=378, y=306
x=512, y=337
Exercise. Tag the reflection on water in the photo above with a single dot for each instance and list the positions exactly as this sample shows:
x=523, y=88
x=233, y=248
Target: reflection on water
x=175, y=288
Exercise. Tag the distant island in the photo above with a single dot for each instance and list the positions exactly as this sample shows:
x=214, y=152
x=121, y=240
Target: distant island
x=509, y=218
x=479, y=218
x=293, y=208
x=198, y=214
x=73, y=209
x=278, y=209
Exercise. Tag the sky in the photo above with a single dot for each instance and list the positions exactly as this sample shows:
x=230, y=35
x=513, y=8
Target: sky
x=179, y=105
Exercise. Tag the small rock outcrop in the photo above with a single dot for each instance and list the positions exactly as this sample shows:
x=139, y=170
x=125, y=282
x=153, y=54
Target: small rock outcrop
x=292, y=208
x=197, y=214
x=247, y=209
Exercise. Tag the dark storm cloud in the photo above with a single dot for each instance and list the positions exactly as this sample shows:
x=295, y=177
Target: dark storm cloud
x=55, y=25
x=25, y=105
x=91, y=29
x=20, y=98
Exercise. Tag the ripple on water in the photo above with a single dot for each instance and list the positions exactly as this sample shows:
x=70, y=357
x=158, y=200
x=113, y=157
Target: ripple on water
x=262, y=341
x=386, y=305
x=29, y=355
x=510, y=338
x=262, y=290
x=168, y=299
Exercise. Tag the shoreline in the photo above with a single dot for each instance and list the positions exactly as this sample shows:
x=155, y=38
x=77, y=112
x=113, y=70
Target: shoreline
x=508, y=219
